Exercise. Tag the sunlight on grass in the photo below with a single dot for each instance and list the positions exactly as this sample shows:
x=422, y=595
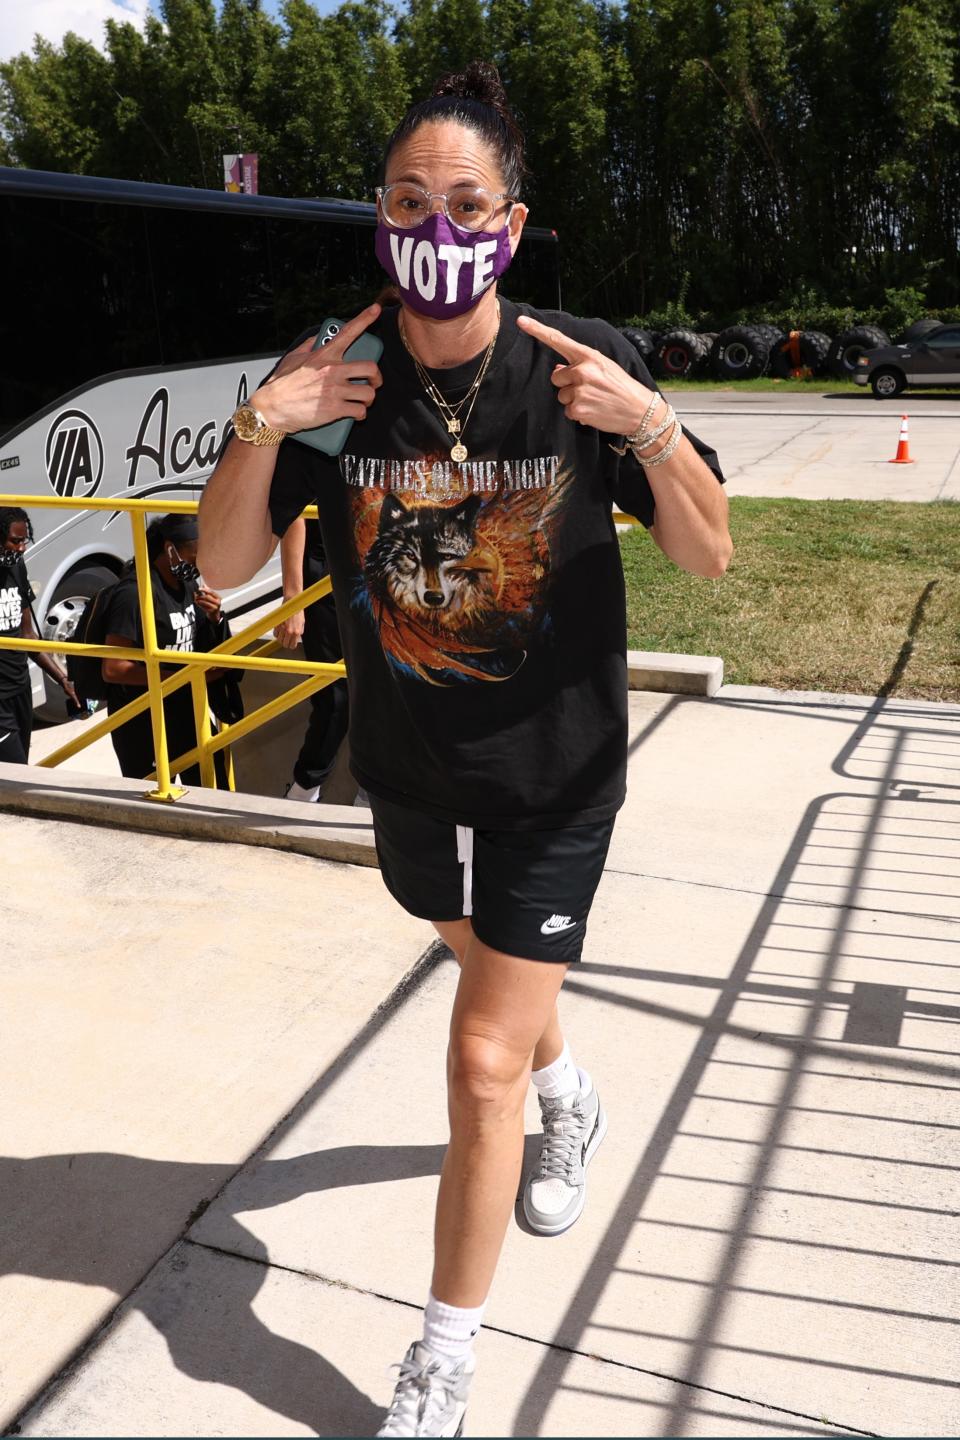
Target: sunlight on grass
x=819, y=596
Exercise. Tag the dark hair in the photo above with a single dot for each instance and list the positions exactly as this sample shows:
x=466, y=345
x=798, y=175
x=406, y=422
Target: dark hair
x=8, y=516
x=476, y=98
x=178, y=529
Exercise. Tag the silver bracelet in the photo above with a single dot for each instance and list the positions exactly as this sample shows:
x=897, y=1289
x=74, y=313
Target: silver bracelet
x=663, y=455
x=640, y=435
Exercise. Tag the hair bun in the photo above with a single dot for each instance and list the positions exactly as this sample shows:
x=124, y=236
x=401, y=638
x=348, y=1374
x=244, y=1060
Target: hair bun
x=480, y=81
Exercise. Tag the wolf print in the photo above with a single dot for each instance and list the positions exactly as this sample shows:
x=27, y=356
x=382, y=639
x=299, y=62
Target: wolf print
x=457, y=584
x=420, y=558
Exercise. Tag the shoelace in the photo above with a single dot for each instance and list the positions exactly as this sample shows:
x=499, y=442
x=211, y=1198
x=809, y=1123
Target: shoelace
x=415, y=1402
x=563, y=1128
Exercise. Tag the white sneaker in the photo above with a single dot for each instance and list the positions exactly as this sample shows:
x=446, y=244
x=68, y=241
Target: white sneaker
x=431, y=1394
x=556, y=1192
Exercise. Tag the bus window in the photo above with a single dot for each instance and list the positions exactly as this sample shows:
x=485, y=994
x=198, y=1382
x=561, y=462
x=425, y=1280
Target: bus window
x=80, y=302
x=319, y=270
x=211, y=274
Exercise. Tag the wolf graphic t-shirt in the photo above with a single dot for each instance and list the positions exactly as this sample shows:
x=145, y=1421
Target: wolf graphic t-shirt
x=15, y=597
x=481, y=603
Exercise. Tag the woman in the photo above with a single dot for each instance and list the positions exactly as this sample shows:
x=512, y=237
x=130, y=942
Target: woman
x=187, y=617
x=468, y=529
x=16, y=622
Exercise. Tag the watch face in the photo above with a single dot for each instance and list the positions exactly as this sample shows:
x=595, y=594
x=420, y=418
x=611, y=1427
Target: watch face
x=245, y=423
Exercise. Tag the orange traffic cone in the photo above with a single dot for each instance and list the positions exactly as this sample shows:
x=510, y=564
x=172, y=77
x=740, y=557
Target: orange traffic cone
x=902, y=456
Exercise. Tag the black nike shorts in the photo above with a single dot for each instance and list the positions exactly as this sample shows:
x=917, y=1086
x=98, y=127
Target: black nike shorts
x=527, y=892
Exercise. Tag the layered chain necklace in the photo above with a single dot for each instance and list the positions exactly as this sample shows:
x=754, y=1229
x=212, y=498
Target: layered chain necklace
x=451, y=413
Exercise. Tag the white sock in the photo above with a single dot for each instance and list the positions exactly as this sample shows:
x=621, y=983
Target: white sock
x=297, y=792
x=561, y=1077
x=448, y=1330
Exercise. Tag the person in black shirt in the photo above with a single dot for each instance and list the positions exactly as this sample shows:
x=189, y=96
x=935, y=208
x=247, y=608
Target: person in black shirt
x=16, y=620
x=303, y=563
x=468, y=527
x=188, y=617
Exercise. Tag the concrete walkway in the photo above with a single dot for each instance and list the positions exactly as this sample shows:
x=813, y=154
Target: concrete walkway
x=828, y=446
x=218, y=1205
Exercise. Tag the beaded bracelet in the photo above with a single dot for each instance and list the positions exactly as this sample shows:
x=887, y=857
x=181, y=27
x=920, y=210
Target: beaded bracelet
x=642, y=437
x=667, y=450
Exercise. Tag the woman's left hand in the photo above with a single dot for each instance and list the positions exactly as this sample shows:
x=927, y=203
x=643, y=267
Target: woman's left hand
x=209, y=602
x=592, y=388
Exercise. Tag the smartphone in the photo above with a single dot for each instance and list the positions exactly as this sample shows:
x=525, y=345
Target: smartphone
x=332, y=438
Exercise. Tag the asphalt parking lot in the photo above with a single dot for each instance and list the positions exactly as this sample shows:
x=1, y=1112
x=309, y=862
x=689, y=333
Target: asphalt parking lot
x=829, y=446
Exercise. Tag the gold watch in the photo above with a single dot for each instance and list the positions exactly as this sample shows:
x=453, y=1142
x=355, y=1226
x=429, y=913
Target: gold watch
x=249, y=425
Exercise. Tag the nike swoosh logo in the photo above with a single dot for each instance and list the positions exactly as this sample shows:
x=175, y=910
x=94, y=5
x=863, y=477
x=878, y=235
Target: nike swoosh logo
x=552, y=927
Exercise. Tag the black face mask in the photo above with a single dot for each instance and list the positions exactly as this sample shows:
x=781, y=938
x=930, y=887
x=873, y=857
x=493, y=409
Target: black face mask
x=184, y=570
x=9, y=558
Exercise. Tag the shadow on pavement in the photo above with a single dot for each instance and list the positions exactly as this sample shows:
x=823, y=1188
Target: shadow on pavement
x=853, y=885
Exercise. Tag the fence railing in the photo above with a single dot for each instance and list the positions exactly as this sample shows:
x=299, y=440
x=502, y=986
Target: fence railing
x=193, y=665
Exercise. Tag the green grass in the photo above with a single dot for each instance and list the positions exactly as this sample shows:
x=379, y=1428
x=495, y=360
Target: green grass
x=837, y=595
x=824, y=385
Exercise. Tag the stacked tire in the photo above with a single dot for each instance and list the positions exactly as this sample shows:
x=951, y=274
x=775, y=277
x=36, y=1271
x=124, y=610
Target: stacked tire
x=850, y=345
x=814, y=348
x=918, y=331
x=742, y=352
x=679, y=354
x=643, y=341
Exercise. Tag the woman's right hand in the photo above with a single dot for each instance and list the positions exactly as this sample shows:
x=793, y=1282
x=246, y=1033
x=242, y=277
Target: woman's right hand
x=314, y=387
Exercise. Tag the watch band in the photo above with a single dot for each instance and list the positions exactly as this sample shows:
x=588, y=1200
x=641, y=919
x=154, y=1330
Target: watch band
x=264, y=434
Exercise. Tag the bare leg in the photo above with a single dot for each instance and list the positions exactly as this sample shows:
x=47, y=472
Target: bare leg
x=457, y=934
x=503, y=1006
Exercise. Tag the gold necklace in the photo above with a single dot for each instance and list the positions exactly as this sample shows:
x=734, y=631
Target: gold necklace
x=450, y=413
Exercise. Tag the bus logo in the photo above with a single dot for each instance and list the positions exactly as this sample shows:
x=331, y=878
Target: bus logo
x=74, y=455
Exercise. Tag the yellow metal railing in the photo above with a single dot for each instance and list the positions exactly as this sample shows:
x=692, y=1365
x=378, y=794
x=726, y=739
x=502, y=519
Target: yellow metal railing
x=194, y=664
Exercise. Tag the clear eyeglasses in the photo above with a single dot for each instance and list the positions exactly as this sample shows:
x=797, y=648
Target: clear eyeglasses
x=469, y=207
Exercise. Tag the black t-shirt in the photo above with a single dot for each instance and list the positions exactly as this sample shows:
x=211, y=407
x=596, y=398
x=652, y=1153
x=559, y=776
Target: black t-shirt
x=481, y=605
x=15, y=597
x=178, y=628
x=314, y=555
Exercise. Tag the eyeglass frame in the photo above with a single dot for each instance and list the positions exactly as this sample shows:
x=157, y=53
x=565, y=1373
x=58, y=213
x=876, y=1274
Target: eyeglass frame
x=381, y=190
x=21, y=545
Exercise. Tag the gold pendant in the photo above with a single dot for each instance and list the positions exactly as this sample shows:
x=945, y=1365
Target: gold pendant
x=453, y=425
x=458, y=453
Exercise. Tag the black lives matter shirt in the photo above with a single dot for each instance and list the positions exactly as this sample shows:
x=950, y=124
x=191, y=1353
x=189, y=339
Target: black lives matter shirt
x=15, y=597
x=481, y=604
x=177, y=629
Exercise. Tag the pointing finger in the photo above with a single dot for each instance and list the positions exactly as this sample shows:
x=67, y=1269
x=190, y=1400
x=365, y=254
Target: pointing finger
x=350, y=332
x=570, y=349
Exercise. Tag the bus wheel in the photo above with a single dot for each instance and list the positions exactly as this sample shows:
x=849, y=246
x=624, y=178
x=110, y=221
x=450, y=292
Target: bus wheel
x=59, y=622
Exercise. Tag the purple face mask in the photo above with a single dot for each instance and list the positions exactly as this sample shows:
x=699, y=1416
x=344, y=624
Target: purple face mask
x=439, y=270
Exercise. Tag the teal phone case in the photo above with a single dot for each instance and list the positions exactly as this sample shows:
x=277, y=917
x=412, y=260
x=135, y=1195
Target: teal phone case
x=330, y=439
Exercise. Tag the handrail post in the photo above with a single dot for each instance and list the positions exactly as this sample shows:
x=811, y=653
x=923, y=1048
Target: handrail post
x=165, y=791
x=201, y=722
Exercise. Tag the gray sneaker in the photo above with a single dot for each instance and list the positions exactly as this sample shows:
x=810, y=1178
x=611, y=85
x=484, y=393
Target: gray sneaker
x=556, y=1192
x=431, y=1394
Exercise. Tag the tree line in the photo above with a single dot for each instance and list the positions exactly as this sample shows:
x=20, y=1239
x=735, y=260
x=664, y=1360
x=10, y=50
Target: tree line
x=707, y=156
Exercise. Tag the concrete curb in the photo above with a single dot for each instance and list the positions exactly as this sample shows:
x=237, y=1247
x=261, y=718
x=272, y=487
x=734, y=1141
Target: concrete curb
x=334, y=832
x=674, y=674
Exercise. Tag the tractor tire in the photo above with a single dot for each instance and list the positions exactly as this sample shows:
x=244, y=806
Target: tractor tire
x=772, y=332
x=850, y=345
x=679, y=354
x=643, y=341
x=814, y=348
x=708, y=339
x=741, y=352
x=918, y=330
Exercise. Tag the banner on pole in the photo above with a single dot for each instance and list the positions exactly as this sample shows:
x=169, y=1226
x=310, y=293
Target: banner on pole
x=241, y=174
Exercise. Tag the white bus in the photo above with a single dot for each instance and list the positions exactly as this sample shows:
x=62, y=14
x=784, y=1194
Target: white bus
x=136, y=317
